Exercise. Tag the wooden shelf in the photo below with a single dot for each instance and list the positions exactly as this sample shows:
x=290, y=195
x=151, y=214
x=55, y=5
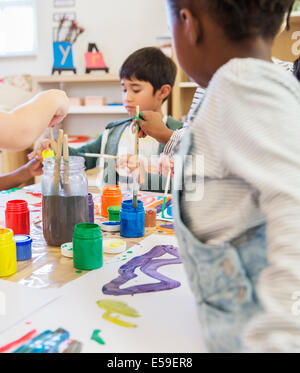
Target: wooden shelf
x=97, y=110
x=188, y=85
x=84, y=78
x=295, y=14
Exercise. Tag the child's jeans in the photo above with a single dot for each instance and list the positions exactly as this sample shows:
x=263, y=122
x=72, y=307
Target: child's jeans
x=223, y=278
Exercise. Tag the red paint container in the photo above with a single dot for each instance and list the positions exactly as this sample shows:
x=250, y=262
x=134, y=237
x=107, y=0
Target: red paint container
x=17, y=217
x=111, y=196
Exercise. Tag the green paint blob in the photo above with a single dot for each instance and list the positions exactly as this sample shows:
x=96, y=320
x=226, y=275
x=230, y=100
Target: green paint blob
x=95, y=337
x=129, y=252
x=118, y=308
x=87, y=246
x=78, y=271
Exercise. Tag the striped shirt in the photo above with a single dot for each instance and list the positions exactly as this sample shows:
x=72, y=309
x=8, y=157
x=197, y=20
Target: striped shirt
x=251, y=148
x=171, y=145
x=176, y=137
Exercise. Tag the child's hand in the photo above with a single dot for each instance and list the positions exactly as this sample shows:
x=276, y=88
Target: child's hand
x=165, y=165
x=34, y=168
x=153, y=126
x=132, y=163
x=37, y=153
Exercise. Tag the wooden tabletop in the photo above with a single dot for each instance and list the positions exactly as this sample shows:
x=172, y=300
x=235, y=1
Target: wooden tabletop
x=49, y=269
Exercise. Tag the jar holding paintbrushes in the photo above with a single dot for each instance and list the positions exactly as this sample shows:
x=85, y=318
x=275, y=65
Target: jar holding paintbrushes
x=65, y=196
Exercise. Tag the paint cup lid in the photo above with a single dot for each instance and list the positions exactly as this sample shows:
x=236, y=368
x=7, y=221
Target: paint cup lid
x=22, y=239
x=67, y=249
x=114, y=246
x=112, y=226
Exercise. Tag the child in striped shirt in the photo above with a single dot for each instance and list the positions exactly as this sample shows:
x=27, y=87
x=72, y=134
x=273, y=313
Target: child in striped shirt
x=239, y=240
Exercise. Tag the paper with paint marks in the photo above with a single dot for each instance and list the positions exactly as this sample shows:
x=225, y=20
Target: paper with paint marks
x=167, y=320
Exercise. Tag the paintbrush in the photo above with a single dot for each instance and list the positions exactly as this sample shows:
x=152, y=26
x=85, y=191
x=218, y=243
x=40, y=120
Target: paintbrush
x=135, y=178
x=66, y=183
x=165, y=194
x=56, y=180
x=52, y=141
x=94, y=155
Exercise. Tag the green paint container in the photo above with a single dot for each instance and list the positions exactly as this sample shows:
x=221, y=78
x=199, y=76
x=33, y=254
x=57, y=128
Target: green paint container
x=87, y=246
x=114, y=213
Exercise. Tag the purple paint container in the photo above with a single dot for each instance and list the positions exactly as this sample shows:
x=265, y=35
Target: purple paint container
x=91, y=208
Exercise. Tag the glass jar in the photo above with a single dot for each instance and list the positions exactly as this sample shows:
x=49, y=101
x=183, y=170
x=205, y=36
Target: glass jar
x=65, y=199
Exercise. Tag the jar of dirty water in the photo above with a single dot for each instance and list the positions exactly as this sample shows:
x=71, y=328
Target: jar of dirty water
x=65, y=199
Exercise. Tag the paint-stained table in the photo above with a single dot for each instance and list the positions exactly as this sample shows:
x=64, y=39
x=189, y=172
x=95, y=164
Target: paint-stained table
x=49, y=269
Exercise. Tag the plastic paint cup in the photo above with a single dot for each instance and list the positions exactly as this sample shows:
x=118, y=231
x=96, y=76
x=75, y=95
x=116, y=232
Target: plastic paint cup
x=114, y=213
x=111, y=196
x=91, y=208
x=17, y=217
x=87, y=246
x=132, y=220
x=8, y=253
x=23, y=243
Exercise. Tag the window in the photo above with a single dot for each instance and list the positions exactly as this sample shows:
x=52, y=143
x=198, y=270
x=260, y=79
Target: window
x=18, y=28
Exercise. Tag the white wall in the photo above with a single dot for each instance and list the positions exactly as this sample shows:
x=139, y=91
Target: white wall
x=117, y=26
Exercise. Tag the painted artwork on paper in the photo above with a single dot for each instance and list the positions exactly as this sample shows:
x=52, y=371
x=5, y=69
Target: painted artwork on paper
x=115, y=309
x=149, y=265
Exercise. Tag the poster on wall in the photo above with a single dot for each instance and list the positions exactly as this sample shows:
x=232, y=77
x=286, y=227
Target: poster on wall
x=64, y=3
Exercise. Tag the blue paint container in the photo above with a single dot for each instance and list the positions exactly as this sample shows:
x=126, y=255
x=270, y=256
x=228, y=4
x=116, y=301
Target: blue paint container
x=23, y=243
x=132, y=219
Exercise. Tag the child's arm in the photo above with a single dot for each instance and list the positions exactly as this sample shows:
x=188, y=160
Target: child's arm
x=21, y=175
x=92, y=147
x=23, y=125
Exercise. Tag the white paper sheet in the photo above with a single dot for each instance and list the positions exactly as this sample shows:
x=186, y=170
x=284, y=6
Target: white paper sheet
x=18, y=302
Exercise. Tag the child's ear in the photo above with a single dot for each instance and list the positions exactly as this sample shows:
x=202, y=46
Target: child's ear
x=164, y=91
x=191, y=26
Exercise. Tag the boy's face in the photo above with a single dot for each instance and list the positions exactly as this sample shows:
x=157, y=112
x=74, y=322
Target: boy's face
x=136, y=92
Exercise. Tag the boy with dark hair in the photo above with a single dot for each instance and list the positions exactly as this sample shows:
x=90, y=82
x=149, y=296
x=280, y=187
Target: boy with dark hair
x=147, y=77
x=240, y=241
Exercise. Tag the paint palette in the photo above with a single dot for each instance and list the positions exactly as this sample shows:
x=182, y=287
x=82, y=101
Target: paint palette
x=114, y=246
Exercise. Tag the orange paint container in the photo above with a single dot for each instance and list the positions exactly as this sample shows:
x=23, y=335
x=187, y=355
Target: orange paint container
x=111, y=196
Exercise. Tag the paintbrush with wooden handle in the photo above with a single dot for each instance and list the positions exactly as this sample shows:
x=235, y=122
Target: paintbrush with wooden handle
x=56, y=180
x=165, y=194
x=135, y=177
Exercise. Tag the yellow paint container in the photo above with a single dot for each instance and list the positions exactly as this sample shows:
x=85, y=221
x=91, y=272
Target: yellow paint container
x=8, y=253
x=49, y=153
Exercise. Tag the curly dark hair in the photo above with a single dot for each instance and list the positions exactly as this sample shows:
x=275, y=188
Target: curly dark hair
x=241, y=19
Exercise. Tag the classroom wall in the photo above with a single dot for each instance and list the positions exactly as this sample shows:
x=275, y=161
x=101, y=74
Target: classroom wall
x=117, y=26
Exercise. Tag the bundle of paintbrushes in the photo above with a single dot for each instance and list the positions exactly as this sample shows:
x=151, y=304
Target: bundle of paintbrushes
x=60, y=148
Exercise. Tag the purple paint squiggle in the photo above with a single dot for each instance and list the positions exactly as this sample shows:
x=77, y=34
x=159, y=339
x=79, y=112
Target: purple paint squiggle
x=149, y=267
x=159, y=207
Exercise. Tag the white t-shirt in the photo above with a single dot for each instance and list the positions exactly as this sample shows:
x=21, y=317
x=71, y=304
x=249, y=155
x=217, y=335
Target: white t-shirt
x=148, y=151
